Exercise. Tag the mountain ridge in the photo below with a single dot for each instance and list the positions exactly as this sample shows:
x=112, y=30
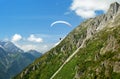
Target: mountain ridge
x=34, y=53
x=10, y=47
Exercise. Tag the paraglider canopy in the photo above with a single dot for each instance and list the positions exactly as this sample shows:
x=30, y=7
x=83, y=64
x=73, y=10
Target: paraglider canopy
x=61, y=22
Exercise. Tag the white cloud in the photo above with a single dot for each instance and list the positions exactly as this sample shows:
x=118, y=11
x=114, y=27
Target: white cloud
x=87, y=8
x=16, y=37
x=29, y=43
x=39, y=47
x=28, y=47
x=32, y=38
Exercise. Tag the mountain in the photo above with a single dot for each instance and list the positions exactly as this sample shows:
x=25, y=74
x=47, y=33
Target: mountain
x=2, y=52
x=34, y=53
x=90, y=51
x=13, y=60
x=10, y=47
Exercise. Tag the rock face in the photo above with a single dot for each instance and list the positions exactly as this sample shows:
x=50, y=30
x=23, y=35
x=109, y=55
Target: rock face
x=114, y=8
x=100, y=22
x=98, y=57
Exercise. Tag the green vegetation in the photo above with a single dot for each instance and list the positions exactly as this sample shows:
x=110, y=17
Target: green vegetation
x=89, y=63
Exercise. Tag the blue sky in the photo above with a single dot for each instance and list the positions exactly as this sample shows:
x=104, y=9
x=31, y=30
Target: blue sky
x=33, y=16
x=27, y=22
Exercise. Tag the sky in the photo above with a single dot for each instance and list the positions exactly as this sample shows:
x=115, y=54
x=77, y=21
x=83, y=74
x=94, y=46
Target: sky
x=27, y=23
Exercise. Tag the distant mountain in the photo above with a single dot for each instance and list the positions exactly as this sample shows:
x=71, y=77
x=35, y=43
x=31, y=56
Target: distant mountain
x=34, y=53
x=90, y=51
x=13, y=59
x=10, y=47
x=2, y=52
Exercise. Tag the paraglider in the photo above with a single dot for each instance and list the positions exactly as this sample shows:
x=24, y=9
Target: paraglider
x=60, y=38
x=60, y=22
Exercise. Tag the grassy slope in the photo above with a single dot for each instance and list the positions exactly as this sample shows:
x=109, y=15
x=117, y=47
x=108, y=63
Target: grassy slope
x=85, y=62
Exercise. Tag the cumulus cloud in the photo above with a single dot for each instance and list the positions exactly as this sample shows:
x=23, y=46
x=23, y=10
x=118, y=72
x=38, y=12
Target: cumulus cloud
x=32, y=42
x=16, y=37
x=33, y=38
x=87, y=8
x=28, y=47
